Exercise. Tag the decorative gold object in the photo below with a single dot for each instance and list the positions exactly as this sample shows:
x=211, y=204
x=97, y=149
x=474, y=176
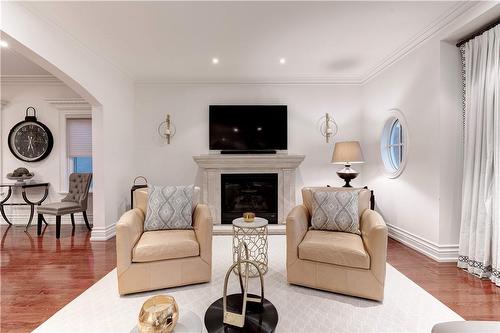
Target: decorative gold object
x=328, y=127
x=166, y=129
x=158, y=314
x=248, y=217
x=233, y=318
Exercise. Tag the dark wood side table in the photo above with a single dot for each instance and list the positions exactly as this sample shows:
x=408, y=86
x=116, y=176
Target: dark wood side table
x=27, y=201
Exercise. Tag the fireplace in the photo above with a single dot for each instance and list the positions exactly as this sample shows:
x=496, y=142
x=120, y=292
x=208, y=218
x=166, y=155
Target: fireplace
x=250, y=192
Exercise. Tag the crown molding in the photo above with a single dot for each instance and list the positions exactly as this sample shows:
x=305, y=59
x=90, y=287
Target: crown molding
x=72, y=103
x=30, y=80
x=429, y=32
x=296, y=80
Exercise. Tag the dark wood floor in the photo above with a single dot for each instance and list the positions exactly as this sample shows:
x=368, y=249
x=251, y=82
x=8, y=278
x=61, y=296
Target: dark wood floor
x=470, y=297
x=39, y=275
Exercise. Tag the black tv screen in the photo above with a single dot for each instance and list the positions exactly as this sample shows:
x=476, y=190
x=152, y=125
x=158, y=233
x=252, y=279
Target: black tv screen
x=248, y=127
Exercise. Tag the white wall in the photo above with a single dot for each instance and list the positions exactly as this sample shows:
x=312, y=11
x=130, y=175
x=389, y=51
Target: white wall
x=104, y=86
x=451, y=143
x=19, y=97
x=423, y=206
x=411, y=201
x=188, y=107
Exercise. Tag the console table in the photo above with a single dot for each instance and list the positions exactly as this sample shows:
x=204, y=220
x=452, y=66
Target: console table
x=27, y=201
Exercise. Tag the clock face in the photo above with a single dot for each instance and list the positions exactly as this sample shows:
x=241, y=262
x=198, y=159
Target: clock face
x=30, y=141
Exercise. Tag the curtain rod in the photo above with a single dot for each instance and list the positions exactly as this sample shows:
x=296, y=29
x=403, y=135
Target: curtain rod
x=479, y=32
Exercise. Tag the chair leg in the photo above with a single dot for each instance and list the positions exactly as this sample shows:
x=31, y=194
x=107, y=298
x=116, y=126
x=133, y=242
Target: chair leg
x=86, y=220
x=72, y=219
x=39, y=225
x=58, y=226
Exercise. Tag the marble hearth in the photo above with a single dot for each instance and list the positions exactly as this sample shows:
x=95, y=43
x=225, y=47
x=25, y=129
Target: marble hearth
x=212, y=166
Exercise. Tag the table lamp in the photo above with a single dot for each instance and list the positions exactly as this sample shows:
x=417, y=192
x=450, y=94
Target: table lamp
x=347, y=153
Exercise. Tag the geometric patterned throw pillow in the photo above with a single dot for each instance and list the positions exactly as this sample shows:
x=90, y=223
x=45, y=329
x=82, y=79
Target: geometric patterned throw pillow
x=335, y=211
x=169, y=207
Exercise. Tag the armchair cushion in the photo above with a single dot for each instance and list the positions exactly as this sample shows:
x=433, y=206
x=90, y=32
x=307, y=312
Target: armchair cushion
x=363, y=199
x=141, y=199
x=165, y=244
x=60, y=208
x=337, y=248
x=169, y=207
x=335, y=211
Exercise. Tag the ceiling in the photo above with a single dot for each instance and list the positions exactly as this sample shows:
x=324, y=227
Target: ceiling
x=175, y=42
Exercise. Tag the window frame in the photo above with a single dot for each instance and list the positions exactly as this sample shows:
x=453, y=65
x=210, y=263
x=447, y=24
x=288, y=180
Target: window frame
x=386, y=146
x=66, y=163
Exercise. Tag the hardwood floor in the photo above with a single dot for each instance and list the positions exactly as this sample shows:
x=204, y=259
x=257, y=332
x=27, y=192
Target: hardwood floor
x=470, y=297
x=39, y=275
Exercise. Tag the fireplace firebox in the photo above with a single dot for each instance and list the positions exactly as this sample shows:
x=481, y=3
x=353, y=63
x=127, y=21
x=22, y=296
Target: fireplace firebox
x=249, y=192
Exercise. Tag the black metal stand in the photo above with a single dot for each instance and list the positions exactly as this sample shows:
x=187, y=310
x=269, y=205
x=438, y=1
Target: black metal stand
x=27, y=201
x=258, y=318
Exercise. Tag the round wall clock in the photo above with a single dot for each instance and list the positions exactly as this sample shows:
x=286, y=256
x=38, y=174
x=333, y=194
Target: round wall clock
x=30, y=140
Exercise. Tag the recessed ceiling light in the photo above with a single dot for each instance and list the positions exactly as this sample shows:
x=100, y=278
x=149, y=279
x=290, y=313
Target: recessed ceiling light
x=215, y=61
x=4, y=43
x=282, y=61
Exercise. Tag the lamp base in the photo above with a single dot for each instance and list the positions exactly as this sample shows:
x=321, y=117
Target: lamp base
x=347, y=174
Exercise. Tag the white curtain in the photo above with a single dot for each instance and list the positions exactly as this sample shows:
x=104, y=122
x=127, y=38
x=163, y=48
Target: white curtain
x=480, y=225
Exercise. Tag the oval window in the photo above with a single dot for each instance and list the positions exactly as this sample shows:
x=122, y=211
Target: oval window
x=394, y=144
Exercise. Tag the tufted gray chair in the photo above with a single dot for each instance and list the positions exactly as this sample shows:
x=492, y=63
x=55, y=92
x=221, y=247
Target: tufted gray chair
x=74, y=202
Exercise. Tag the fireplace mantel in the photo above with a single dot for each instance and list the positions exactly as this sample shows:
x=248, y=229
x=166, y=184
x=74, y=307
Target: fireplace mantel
x=214, y=165
x=230, y=161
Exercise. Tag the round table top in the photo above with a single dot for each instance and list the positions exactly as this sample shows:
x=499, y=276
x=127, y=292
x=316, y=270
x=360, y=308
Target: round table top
x=259, y=318
x=258, y=222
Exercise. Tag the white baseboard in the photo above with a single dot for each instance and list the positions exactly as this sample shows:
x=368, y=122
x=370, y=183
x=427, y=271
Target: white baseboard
x=103, y=233
x=22, y=219
x=440, y=253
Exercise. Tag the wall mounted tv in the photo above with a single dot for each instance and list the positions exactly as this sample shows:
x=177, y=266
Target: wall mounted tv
x=248, y=128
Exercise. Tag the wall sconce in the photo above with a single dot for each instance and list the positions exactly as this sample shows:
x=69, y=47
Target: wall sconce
x=328, y=127
x=166, y=129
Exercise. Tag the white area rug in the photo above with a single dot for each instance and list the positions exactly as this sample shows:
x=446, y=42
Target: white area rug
x=406, y=307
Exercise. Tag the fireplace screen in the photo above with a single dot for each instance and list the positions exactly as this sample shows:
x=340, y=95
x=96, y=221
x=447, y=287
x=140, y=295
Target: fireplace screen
x=256, y=193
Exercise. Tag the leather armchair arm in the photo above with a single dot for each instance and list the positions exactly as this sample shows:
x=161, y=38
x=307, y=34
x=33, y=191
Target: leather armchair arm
x=128, y=231
x=203, y=226
x=297, y=223
x=374, y=234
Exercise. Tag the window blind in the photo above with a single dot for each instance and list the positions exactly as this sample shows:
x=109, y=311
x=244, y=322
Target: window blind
x=79, y=137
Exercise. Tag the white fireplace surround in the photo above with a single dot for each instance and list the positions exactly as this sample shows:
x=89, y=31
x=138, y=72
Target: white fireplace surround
x=213, y=166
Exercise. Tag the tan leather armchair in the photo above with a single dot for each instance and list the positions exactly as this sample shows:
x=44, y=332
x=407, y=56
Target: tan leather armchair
x=165, y=258
x=337, y=261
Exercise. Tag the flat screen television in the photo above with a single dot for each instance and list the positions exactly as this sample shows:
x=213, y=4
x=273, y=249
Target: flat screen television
x=240, y=128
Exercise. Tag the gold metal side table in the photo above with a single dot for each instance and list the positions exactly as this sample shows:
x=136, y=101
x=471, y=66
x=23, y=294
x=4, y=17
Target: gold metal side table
x=255, y=235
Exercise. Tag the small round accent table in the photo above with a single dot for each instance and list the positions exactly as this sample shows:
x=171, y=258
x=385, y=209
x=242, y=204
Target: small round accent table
x=254, y=234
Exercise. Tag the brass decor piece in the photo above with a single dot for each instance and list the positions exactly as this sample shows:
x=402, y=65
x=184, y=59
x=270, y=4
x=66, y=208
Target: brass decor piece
x=248, y=217
x=233, y=318
x=159, y=314
x=166, y=129
x=328, y=127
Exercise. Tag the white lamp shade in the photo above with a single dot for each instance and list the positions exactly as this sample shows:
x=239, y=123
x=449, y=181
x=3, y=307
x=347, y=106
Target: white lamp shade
x=347, y=152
